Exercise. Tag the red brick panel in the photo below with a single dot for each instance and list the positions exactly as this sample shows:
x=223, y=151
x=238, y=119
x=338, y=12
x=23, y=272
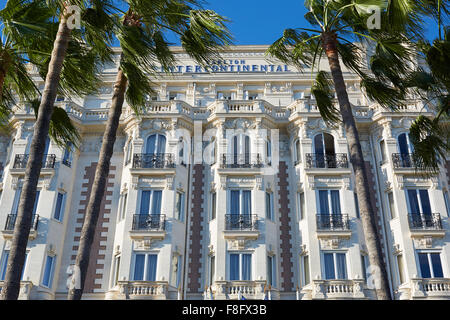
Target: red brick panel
x=285, y=237
x=95, y=255
x=195, y=235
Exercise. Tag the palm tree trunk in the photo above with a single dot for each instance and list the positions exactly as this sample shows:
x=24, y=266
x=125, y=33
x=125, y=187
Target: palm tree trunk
x=98, y=187
x=367, y=212
x=24, y=215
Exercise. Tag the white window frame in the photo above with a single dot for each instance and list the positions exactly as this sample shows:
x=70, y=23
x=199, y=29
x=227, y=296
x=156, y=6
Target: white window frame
x=241, y=200
x=334, y=252
x=52, y=271
x=150, y=207
x=430, y=263
x=271, y=214
x=63, y=206
x=330, y=205
x=240, y=253
x=419, y=200
x=181, y=213
x=146, y=253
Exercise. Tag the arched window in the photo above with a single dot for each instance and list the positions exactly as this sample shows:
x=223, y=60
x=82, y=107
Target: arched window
x=156, y=144
x=241, y=149
x=325, y=156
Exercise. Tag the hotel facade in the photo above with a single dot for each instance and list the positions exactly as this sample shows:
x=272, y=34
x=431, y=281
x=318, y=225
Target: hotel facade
x=229, y=184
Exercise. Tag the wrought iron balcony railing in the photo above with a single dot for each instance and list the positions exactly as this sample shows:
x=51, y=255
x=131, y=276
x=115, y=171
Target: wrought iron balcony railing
x=318, y=160
x=241, y=222
x=153, y=161
x=243, y=160
x=403, y=160
x=333, y=222
x=152, y=222
x=48, y=161
x=11, y=222
x=421, y=221
x=66, y=162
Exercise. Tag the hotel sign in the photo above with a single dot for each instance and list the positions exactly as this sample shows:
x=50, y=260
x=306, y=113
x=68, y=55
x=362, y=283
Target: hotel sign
x=228, y=66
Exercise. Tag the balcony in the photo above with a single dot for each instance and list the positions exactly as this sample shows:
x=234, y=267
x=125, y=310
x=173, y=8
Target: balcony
x=326, y=161
x=148, y=227
x=426, y=225
x=403, y=161
x=11, y=222
x=143, y=290
x=336, y=290
x=250, y=290
x=332, y=225
x=241, y=227
x=241, y=161
x=48, y=161
x=25, y=289
x=153, y=161
x=420, y=288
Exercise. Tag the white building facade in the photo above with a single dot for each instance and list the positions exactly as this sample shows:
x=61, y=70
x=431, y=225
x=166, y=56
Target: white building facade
x=229, y=183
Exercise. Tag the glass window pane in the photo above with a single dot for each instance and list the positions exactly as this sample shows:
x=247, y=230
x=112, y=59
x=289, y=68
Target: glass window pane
x=356, y=205
x=425, y=201
x=234, y=202
x=323, y=202
x=145, y=202
x=413, y=202
x=58, y=207
x=436, y=263
x=234, y=267
x=424, y=265
x=329, y=266
x=36, y=201
x=4, y=265
x=246, y=202
x=306, y=269
x=161, y=144
x=269, y=270
x=341, y=266
x=47, y=280
x=151, y=144
x=156, y=202
x=139, y=263
x=246, y=266
x=335, y=202
x=151, y=267
x=213, y=205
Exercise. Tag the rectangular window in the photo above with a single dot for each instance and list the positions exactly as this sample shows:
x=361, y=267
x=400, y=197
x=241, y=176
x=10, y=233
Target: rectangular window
x=4, y=264
x=212, y=269
x=124, y=205
x=116, y=270
x=180, y=206
x=48, y=271
x=430, y=265
x=335, y=266
x=365, y=265
x=240, y=202
x=401, y=275
x=213, y=206
x=145, y=267
x=329, y=202
x=271, y=271
x=356, y=205
x=59, y=209
x=447, y=203
x=391, y=205
x=240, y=266
x=305, y=264
x=269, y=206
x=419, y=201
x=151, y=202
x=302, y=209
x=383, y=151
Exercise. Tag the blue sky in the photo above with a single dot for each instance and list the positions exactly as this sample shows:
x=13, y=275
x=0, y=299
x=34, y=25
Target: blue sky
x=263, y=21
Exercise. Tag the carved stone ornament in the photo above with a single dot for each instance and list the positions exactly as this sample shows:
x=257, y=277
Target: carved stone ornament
x=238, y=244
x=330, y=243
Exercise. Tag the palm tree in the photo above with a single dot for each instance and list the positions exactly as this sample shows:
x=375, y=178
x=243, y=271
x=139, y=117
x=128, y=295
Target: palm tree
x=143, y=44
x=430, y=137
x=63, y=56
x=338, y=24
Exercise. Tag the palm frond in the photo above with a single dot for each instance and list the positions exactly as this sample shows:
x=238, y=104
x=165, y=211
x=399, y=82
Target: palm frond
x=323, y=92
